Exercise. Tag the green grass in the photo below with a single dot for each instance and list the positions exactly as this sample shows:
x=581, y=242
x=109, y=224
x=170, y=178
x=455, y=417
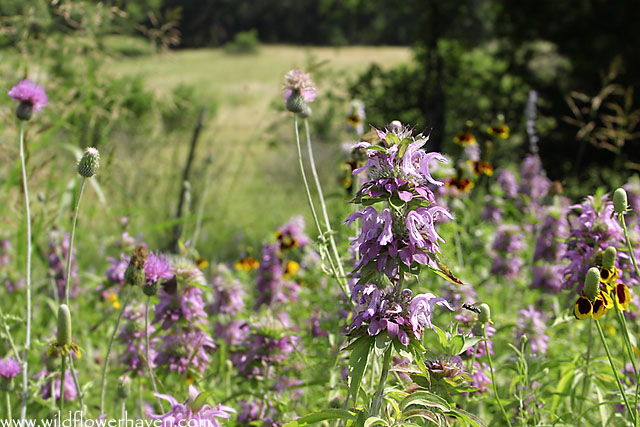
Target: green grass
x=256, y=184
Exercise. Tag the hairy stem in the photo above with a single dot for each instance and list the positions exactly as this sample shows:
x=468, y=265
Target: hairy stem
x=27, y=343
x=71, y=237
x=493, y=380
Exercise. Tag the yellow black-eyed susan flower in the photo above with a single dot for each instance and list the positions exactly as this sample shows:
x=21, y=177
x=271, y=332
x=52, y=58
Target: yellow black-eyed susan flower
x=501, y=131
x=287, y=241
x=465, y=139
x=597, y=308
x=463, y=185
x=247, y=264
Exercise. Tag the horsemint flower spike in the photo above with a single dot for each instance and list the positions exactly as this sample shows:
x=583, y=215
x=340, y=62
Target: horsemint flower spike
x=31, y=97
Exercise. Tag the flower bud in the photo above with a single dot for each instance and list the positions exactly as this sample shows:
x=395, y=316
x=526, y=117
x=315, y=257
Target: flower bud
x=306, y=112
x=295, y=103
x=135, y=274
x=89, y=163
x=150, y=289
x=620, y=201
x=591, y=283
x=485, y=313
x=64, y=325
x=395, y=126
x=609, y=258
x=24, y=111
x=124, y=387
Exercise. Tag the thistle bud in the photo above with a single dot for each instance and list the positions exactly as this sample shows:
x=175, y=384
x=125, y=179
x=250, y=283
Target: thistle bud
x=295, y=103
x=89, y=163
x=124, y=387
x=150, y=289
x=306, y=112
x=609, y=258
x=591, y=283
x=485, y=313
x=64, y=325
x=620, y=204
x=24, y=111
x=135, y=274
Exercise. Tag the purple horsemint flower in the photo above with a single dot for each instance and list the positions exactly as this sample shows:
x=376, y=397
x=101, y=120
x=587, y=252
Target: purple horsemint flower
x=193, y=412
x=185, y=349
x=399, y=315
x=533, y=181
x=5, y=252
x=593, y=231
x=299, y=82
x=552, y=234
x=262, y=411
x=133, y=358
x=406, y=175
x=507, y=267
x=271, y=285
x=548, y=277
x=531, y=323
x=389, y=240
x=492, y=211
x=58, y=248
x=508, y=239
x=13, y=285
x=509, y=184
x=260, y=354
x=31, y=96
x=70, y=391
x=9, y=368
x=228, y=294
x=479, y=378
x=291, y=235
x=234, y=332
x=117, y=267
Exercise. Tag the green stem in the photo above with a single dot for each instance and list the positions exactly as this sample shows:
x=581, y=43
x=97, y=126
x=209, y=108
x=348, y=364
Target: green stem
x=106, y=358
x=63, y=371
x=376, y=406
x=629, y=347
x=323, y=204
x=146, y=351
x=201, y=204
x=71, y=237
x=76, y=382
x=615, y=371
x=585, y=379
x=8, y=396
x=626, y=237
x=456, y=239
x=9, y=337
x=493, y=380
x=27, y=344
x=322, y=237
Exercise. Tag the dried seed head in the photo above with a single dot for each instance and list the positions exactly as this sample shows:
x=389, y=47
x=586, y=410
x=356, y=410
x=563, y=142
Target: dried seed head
x=64, y=325
x=89, y=163
x=135, y=274
x=620, y=201
x=591, y=283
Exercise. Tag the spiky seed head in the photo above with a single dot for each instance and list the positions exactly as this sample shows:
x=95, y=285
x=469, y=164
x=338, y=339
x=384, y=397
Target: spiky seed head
x=64, y=325
x=89, y=163
x=591, y=283
x=295, y=103
x=124, y=387
x=620, y=201
x=609, y=258
x=485, y=313
x=135, y=274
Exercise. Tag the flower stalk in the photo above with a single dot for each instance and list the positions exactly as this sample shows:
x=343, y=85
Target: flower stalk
x=147, y=352
x=71, y=238
x=376, y=405
x=493, y=380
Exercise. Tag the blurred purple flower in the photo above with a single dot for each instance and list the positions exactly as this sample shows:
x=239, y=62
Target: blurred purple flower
x=297, y=81
x=30, y=92
x=70, y=391
x=9, y=368
x=531, y=323
x=185, y=414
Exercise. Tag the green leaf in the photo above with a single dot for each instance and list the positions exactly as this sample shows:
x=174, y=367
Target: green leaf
x=372, y=421
x=421, y=413
x=427, y=399
x=325, y=414
x=456, y=344
x=358, y=363
x=377, y=148
x=469, y=342
x=382, y=342
x=199, y=401
x=391, y=140
x=468, y=418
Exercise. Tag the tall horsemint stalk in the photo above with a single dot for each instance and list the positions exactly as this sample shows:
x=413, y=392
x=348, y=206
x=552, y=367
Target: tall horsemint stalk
x=30, y=96
x=396, y=239
x=134, y=277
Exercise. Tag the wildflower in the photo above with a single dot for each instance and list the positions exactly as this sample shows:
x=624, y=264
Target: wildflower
x=399, y=315
x=291, y=235
x=133, y=358
x=594, y=301
x=31, y=96
x=507, y=181
x=89, y=163
x=531, y=323
x=480, y=380
x=548, y=277
x=70, y=391
x=622, y=296
x=247, y=264
x=355, y=117
x=228, y=294
x=270, y=281
x=261, y=411
x=184, y=350
x=291, y=268
x=156, y=267
x=57, y=250
x=533, y=181
x=63, y=344
x=134, y=275
x=465, y=139
x=297, y=82
x=501, y=131
x=458, y=186
x=193, y=409
x=9, y=368
x=481, y=168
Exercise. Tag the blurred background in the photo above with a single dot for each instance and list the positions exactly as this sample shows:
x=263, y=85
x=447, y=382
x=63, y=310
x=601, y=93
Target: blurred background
x=132, y=78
